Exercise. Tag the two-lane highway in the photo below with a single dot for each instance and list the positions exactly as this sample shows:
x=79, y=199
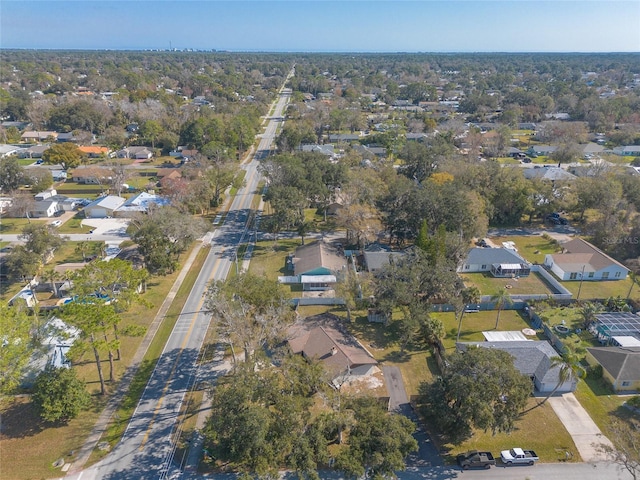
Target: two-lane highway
x=146, y=448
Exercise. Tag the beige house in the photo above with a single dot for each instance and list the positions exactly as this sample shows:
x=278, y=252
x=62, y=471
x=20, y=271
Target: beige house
x=620, y=366
x=582, y=261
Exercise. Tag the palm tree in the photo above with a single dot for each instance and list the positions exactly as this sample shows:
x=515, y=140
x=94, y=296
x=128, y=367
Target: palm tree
x=570, y=368
x=588, y=313
x=50, y=275
x=82, y=248
x=500, y=300
x=303, y=229
x=467, y=296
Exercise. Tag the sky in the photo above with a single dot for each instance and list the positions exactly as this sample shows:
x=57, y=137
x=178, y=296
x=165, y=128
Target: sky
x=324, y=25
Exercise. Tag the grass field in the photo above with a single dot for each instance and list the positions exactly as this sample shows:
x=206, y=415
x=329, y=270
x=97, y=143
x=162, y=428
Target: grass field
x=269, y=257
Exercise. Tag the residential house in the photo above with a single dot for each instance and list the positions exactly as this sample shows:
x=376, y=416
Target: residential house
x=168, y=176
x=18, y=125
x=66, y=137
x=103, y=207
x=318, y=265
x=323, y=338
x=582, y=261
x=53, y=350
x=552, y=174
x=94, y=151
x=628, y=151
x=137, y=153
x=45, y=208
x=5, y=204
x=8, y=150
x=376, y=256
x=591, y=148
x=620, y=366
x=501, y=262
x=91, y=175
x=140, y=203
x=541, y=149
x=326, y=149
x=46, y=194
x=371, y=151
x=534, y=359
x=416, y=137
x=35, y=151
x=344, y=137
x=38, y=136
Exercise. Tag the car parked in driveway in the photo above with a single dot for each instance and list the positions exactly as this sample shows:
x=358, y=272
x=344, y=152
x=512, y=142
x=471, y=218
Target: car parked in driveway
x=56, y=223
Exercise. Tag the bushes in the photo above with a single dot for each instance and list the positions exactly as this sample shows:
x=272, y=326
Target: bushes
x=59, y=395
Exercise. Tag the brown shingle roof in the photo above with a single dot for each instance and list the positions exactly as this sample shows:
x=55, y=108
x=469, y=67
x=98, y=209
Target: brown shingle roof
x=318, y=255
x=322, y=338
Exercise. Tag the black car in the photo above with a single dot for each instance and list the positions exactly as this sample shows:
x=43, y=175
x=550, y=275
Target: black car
x=58, y=213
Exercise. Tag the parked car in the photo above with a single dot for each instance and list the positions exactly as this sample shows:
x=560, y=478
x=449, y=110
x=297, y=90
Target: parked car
x=518, y=456
x=482, y=243
x=475, y=459
x=556, y=219
x=58, y=213
x=56, y=223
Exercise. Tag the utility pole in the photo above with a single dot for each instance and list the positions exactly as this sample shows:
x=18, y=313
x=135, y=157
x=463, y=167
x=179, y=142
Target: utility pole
x=581, y=280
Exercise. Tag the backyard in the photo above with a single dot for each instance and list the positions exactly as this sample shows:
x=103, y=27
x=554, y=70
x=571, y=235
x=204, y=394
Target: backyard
x=490, y=285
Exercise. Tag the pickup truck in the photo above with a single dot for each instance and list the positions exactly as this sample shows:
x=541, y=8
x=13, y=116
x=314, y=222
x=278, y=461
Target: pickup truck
x=475, y=459
x=518, y=456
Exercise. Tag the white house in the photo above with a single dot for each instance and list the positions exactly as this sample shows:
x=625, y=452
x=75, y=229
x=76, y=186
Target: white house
x=141, y=202
x=501, y=262
x=582, y=261
x=139, y=153
x=45, y=208
x=103, y=207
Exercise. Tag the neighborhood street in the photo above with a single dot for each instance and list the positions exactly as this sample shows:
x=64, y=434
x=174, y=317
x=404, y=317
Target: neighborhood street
x=146, y=449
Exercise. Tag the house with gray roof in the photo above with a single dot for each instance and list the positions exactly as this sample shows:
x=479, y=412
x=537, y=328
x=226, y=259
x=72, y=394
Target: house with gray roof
x=620, y=366
x=542, y=149
x=533, y=358
x=103, y=207
x=582, y=261
x=552, y=174
x=377, y=256
x=628, y=151
x=35, y=151
x=326, y=149
x=500, y=262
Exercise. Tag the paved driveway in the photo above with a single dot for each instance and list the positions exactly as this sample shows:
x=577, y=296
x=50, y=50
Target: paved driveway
x=583, y=430
x=427, y=454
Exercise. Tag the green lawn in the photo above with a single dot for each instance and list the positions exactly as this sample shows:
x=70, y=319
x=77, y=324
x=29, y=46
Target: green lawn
x=16, y=225
x=269, y=257
x=539, y=430
x=74, y=225
x=603, y=290
x=473, y=324
x=532, y=248
x=489, y=285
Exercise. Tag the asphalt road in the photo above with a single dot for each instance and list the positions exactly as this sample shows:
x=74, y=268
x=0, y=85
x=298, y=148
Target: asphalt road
x=146, y=448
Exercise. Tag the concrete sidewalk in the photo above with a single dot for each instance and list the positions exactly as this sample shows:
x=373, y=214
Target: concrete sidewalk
x=583, y=430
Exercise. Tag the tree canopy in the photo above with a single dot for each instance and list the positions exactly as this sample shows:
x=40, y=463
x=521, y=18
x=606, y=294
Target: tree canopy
x=59, y=395
x=480, y=388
